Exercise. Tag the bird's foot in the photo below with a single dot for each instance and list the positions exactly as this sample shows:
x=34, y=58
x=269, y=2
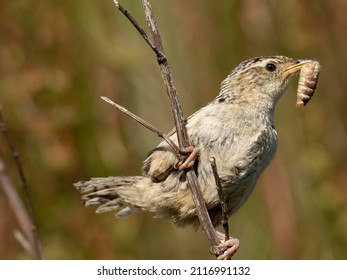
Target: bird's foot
x=189, y=160
x=228, y=247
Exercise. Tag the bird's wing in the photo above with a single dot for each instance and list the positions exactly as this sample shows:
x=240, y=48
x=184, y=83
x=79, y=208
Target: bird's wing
x=159, y=163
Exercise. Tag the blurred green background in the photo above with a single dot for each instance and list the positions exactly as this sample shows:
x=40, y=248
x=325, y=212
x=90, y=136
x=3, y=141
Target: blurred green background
x=58, y=57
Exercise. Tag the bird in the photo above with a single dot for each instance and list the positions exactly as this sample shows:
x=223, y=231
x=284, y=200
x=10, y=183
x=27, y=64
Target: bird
x=236, y=128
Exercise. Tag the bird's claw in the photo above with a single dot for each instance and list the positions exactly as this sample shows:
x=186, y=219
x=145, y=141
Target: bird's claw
x=188, y=161
x=228, y=248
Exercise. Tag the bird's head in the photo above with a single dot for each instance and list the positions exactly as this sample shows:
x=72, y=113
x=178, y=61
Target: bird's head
x=260, y=80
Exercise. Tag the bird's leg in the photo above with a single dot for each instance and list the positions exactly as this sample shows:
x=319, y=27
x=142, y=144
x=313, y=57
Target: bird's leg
x=229, y=246
x=189, y=160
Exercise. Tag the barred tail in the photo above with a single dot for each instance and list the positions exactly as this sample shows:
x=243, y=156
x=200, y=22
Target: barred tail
x=112, y=194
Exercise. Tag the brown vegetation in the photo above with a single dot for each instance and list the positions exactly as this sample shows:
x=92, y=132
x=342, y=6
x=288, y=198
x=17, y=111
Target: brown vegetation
x=58, y=57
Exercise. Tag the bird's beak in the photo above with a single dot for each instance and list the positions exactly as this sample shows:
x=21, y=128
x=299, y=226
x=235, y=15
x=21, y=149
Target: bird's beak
x=296, y=66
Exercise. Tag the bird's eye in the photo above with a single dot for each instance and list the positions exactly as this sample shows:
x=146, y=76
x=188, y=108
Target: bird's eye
x=270, y=67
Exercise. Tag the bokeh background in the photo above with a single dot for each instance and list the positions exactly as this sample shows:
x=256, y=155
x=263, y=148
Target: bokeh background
x=58, y=57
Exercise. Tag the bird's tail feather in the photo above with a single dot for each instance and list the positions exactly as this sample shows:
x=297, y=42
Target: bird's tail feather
x=112, y=194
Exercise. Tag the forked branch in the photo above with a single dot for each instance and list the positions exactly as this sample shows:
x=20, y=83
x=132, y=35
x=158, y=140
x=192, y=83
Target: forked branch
x=156, y=45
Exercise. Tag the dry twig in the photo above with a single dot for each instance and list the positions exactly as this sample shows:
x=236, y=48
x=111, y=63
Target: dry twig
x=156, y=45
x=24, y=215
x=224, y=204
x=146, y=125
